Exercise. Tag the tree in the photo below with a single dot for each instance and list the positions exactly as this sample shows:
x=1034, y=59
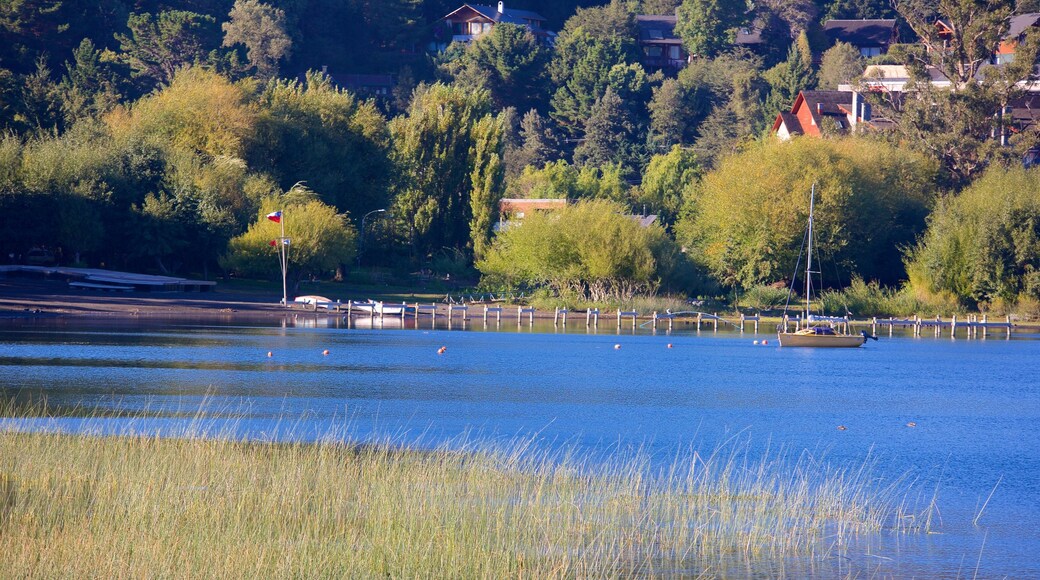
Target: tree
x=261, y=28
x=610, y=136
x=509, y=62
x=957, y=124
x=841, y=64
x=790, y=77
x=745, y=221
x=314, y=132
x=432, y=146
x=160, y=44
x=797, y=15
x=591, y=44
x=487, y=179
x=539, y=144
x=860, y=10
x=90, y=87
x=983, y=246
x=665, y=179
x=320, y=239
x=589, y=251
x=708, y=27
x=669, y=116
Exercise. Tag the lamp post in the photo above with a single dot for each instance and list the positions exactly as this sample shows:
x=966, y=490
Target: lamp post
x=361, y=235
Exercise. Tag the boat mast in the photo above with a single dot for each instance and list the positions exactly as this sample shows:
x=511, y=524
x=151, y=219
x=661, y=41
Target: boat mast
x=808, y=256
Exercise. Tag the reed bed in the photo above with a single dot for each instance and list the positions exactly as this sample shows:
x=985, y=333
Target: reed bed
x=75, y=505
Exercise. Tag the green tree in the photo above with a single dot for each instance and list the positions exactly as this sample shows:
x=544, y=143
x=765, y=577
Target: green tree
x=983, y=246
x=588, y=251
x=665, y=179
x=261, y=28
x=432, y=148
x=745, y=221
x=320, y=239
x=610, y=136
x=91, y=86
x=860, y=10
x=841, y=64
x=539, y=144
x=327, y=137
x=487, y=177
x=790, y=77
x=708, y=27
x=509, y=62
x=160, y=44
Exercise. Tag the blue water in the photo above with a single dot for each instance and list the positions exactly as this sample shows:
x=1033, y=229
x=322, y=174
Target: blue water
x=976, y=404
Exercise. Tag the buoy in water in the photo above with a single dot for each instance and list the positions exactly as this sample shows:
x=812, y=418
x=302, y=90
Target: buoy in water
x=842, y=428
x=617, y=347
x=325, y=352
x=669, y=345
x=755, y=342
x=269, y=354
x=765, y=342
x=442, y=350
x=911, y=424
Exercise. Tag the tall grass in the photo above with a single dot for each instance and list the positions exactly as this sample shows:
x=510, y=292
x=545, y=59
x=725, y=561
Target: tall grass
x=138, y=506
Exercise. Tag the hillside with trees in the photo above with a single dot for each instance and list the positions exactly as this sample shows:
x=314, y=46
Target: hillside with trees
x=155, y=136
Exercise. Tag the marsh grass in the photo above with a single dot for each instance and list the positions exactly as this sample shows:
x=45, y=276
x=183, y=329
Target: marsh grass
x=80, y=505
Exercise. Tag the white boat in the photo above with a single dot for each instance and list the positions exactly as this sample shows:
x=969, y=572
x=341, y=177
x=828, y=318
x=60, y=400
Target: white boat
x=821, y=331
x=384, y=308
x=317, y=302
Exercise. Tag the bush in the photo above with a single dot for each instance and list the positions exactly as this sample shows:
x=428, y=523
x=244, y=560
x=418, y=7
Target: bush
x=763, y=297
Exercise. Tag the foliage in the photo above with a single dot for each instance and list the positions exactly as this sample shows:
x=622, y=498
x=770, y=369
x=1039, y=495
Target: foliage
x=590, y=249
x=261, y=28
x=984, y=244
x=321, y=240
x=487, y=179
x=160, y=44
x=841, y=64
x=433, y=144
x=867, y=299
x=610, y=136
x=764, y=297
x=708, y=27
x=199, y=112
x=314, y=132
x=790, y=77
x=665, y=179
x=510, y=63
x=745, y=222
x=560, y=180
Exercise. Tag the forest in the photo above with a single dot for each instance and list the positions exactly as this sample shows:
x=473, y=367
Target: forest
x=155, y=136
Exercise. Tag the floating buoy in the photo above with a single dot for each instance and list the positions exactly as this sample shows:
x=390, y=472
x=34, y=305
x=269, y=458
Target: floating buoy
x=442, y=350
x=756, y=342
x=911, y=424
x=765, y=342
x=617, y=347
x=269, y=354
x=669, y=345
x=842, y=428
x=325, y=352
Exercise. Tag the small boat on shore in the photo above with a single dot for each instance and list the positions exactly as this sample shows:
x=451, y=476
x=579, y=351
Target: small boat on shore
x=383, y=308
x=820, y=331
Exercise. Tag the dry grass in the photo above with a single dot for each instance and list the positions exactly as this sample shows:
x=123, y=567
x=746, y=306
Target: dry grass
x=135, y=506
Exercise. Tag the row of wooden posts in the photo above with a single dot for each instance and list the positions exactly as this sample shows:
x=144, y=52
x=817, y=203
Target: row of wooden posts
x=974, y=326
x=560, y=315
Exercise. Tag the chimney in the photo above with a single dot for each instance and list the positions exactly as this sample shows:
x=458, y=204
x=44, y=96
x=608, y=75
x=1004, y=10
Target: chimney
x=854, y=117
x=501, y=7
x=324, y=69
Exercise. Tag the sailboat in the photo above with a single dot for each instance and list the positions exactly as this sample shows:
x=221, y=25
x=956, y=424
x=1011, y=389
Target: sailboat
x=827, y=334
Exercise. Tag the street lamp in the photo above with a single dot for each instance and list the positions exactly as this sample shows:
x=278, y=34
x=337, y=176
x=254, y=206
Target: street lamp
x=361, y=235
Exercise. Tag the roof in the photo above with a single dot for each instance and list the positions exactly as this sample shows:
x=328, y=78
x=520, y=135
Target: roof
x=789, y=120
x=657, y=29
x=861, y=32
x=826, y=102
x=1021, y=23
x=510, y=15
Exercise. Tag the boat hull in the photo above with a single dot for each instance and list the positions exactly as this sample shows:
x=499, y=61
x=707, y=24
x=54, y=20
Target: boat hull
x=821, y=340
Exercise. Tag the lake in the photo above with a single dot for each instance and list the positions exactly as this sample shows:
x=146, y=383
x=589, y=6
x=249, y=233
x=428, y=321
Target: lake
x=975, y=404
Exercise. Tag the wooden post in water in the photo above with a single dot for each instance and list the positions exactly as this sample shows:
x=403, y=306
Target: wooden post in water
x=716, y=322
x=592, y=317
x=985, y=328
x=953, y=326
x=1008, y=317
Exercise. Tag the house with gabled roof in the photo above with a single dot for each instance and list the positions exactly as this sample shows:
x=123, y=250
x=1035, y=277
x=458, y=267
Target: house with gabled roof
x=817, y=113
x=470, y=21
x=870, y=37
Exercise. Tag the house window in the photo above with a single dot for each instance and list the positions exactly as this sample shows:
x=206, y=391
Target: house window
x=652, y=51
x=674, y=53
x=655, y=34
x=869, y=51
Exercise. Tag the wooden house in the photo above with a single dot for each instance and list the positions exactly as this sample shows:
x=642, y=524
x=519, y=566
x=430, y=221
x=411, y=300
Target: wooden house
x=470, y=21
x=659, y=47
x=817, y=113
x=870, y=37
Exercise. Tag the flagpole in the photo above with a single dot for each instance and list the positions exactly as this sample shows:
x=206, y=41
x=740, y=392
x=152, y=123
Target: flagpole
x=284, y=251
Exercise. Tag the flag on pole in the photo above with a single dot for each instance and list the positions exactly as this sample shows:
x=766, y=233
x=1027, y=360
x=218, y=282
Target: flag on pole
x=285, y=241
x=273, y=243
x=275, y=216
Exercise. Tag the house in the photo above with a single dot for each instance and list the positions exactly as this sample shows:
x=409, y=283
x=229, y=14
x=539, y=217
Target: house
x=816, y=113
x=870, y=37
x=470, y=21
x=659, y=47
x=1020, y=24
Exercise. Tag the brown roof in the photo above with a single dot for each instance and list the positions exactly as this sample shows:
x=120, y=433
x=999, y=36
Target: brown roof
x=861, y=33
x=1020, y=23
